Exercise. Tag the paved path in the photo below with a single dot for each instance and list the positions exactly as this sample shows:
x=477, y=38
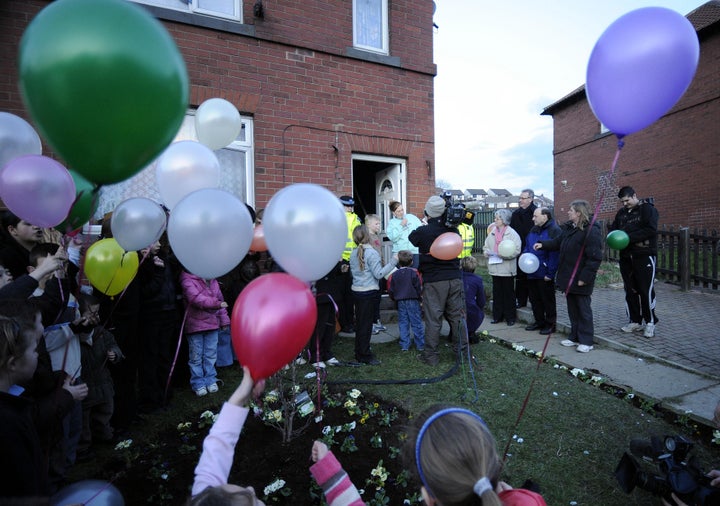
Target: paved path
x=679, y=367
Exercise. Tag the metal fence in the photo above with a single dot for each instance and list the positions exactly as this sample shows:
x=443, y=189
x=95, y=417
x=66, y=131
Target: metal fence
x=686, y=258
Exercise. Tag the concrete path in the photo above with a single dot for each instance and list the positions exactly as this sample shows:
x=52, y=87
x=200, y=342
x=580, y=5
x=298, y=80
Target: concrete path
x=679, y=367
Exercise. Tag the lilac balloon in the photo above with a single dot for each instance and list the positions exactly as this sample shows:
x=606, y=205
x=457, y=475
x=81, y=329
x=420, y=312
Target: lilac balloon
x=640, y=67
x=37, y=189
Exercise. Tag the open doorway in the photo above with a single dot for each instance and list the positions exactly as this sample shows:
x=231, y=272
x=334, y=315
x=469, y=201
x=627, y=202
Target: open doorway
x=377, y=181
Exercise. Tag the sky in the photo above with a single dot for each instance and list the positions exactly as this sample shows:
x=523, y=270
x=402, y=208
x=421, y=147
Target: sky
x=499, y=64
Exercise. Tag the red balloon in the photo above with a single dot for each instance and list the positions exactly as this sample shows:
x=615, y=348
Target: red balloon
x=258, y=241
x=272, y=321
x=447, y=246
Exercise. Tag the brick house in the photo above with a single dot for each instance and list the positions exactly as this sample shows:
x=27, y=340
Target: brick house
x=335, y=93
x=676, y=160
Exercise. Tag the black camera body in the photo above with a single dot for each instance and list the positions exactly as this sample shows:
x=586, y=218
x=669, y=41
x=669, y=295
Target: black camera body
x=676, y=472
x=455, y=214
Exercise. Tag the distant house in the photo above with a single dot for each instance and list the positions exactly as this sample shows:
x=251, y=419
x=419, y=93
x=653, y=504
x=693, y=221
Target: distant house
x=499, y=192
x=475, y=194
x=674, y=160
x=456, y=195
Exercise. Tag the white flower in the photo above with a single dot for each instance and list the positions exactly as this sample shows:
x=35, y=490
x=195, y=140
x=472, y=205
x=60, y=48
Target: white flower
x=354, y=393
x=164, y=476
x=349, y=404
x=208, y=415
x=274, y=486
x=122, y=445
x=484, y=332
x=326, y=430
x=555, y=394
x=630, y=396
x=491, y=340
x=309, y=375
x=520, y=440
x=716, y=437
x=575, y=371
x=556, y=366
x=597, y=379
x=352, y=425
x=585, y=452
x=518, y=347
x=184, y=425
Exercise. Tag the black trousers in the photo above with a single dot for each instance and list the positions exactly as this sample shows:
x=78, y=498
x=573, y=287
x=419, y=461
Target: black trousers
x=364, y=313
x=638, y=273
x=503, y=298
x=542, y=298
x=521, y=288
x=581, y=318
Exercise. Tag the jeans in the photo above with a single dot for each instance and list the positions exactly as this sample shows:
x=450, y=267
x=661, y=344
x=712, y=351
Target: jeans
x=203, y=354
x=410, y=315
x=225, y=353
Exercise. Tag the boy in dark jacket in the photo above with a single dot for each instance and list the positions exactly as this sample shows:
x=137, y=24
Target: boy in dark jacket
x=405, y=287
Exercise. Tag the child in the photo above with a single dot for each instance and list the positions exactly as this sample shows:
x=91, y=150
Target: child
x=372, y=222
x=405, y=287
x=366, y=269
x=456, y=459
x=211, y=487
x=474, y=296
x=206, y=313
x=97, y=348
x=22, y=468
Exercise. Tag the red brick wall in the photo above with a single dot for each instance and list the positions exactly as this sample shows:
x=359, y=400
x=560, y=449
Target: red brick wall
x=305, y=97
x=676, y=160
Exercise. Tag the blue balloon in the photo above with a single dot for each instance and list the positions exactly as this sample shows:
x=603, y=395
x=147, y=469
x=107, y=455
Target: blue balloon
x=91, y=492
x=640, y=67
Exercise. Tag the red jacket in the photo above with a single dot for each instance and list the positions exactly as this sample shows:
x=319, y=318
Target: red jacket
x=203, y=299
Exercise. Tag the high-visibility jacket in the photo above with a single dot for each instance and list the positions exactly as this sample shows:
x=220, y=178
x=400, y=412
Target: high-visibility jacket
x=468, y=237
x=352, y=222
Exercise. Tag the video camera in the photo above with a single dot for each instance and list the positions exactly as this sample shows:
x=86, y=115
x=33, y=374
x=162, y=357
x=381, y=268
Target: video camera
x=676, y=472
x=455, y=213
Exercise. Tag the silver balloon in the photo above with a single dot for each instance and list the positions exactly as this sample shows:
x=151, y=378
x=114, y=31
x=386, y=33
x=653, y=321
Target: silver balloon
x=217, y=123
x=305, y=230
x=210, y=232
x=528, y=263
x=17, y=138
x=184, y=167
x=137, y=223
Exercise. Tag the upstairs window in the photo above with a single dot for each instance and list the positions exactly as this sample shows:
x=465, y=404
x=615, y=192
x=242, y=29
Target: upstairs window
x=227, y=9
x=370, y=25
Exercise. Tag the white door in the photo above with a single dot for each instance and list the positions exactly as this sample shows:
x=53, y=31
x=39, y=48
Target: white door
x=389, y=186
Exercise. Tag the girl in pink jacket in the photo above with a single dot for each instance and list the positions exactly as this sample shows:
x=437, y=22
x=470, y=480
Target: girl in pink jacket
x=206, y=315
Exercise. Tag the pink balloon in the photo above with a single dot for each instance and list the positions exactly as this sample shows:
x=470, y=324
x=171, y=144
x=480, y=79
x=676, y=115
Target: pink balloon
x=37, y=189
x=446, y=246
x=272, y=321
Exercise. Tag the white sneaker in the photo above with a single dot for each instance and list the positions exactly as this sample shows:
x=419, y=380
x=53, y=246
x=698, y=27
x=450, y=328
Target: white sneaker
x=584, y=348
x=332, y=361
x=375, y=328
x=319, y=365
x=649, y=330
x=632, y=327
x=213, y=388
x=201, y=392
x=568, y=342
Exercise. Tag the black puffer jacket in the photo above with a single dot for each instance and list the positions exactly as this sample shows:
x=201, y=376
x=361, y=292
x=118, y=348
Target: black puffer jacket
x=570, y=243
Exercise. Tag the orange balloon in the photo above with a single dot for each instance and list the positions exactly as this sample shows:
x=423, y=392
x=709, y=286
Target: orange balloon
x=258, y=241
x=447, y=246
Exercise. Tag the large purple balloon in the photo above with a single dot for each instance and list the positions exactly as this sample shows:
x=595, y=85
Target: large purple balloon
x=640, y=67
x=37, y=189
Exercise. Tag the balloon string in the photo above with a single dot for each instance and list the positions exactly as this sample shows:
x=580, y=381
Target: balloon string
x=317, y=346
x=119, y=297
x=177, y=353
x=465, y=335
x=620, y=145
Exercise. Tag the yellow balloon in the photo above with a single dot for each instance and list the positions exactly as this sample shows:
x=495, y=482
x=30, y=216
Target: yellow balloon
x=109, y=268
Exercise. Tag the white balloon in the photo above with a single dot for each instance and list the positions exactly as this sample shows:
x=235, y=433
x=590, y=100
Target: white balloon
x=210, y=232
x=137, y=223
x=528, y=263
x=17, y=138
x=217, y=123
x=305, y=230
x=184, y=167
x=506, y=248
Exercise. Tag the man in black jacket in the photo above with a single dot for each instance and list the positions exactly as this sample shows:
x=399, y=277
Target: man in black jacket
x=443, y=294
x=639, y=219
x=521, y=222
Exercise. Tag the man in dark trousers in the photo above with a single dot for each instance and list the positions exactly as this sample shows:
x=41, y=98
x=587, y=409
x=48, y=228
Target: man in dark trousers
x=443, y=293
x=639, y=220
x=521, y=222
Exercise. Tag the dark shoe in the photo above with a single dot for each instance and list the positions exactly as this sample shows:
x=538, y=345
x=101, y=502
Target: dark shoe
x=372, y=361
x=428, y=360
x=548, y=330
x=510, y=323
x=534, y=326
x=348, y=330
x=497, y=321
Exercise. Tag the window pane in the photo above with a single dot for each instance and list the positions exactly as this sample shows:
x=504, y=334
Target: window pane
x=225, y=7
x=369, y=23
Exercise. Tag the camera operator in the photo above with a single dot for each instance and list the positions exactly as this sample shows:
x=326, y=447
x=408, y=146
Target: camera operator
x=443, y=293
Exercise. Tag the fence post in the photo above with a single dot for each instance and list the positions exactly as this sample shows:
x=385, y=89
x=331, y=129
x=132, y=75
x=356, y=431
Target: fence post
x=684, y=258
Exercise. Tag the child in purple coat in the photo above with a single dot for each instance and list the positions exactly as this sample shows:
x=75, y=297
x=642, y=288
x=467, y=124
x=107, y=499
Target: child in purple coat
x=206, y=314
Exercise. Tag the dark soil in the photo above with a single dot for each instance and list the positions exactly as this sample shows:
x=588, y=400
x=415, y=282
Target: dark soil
x=160, y=470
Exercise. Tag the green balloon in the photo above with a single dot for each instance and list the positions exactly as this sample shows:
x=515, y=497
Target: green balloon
x=104, y=83
x=618, y=239
x=86, y=202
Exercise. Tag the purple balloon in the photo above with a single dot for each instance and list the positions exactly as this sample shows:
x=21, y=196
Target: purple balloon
x=37, y=189
x=640, y=67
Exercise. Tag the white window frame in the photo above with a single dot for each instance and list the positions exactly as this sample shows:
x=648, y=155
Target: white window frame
x=192, y=6
x=384, y=47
